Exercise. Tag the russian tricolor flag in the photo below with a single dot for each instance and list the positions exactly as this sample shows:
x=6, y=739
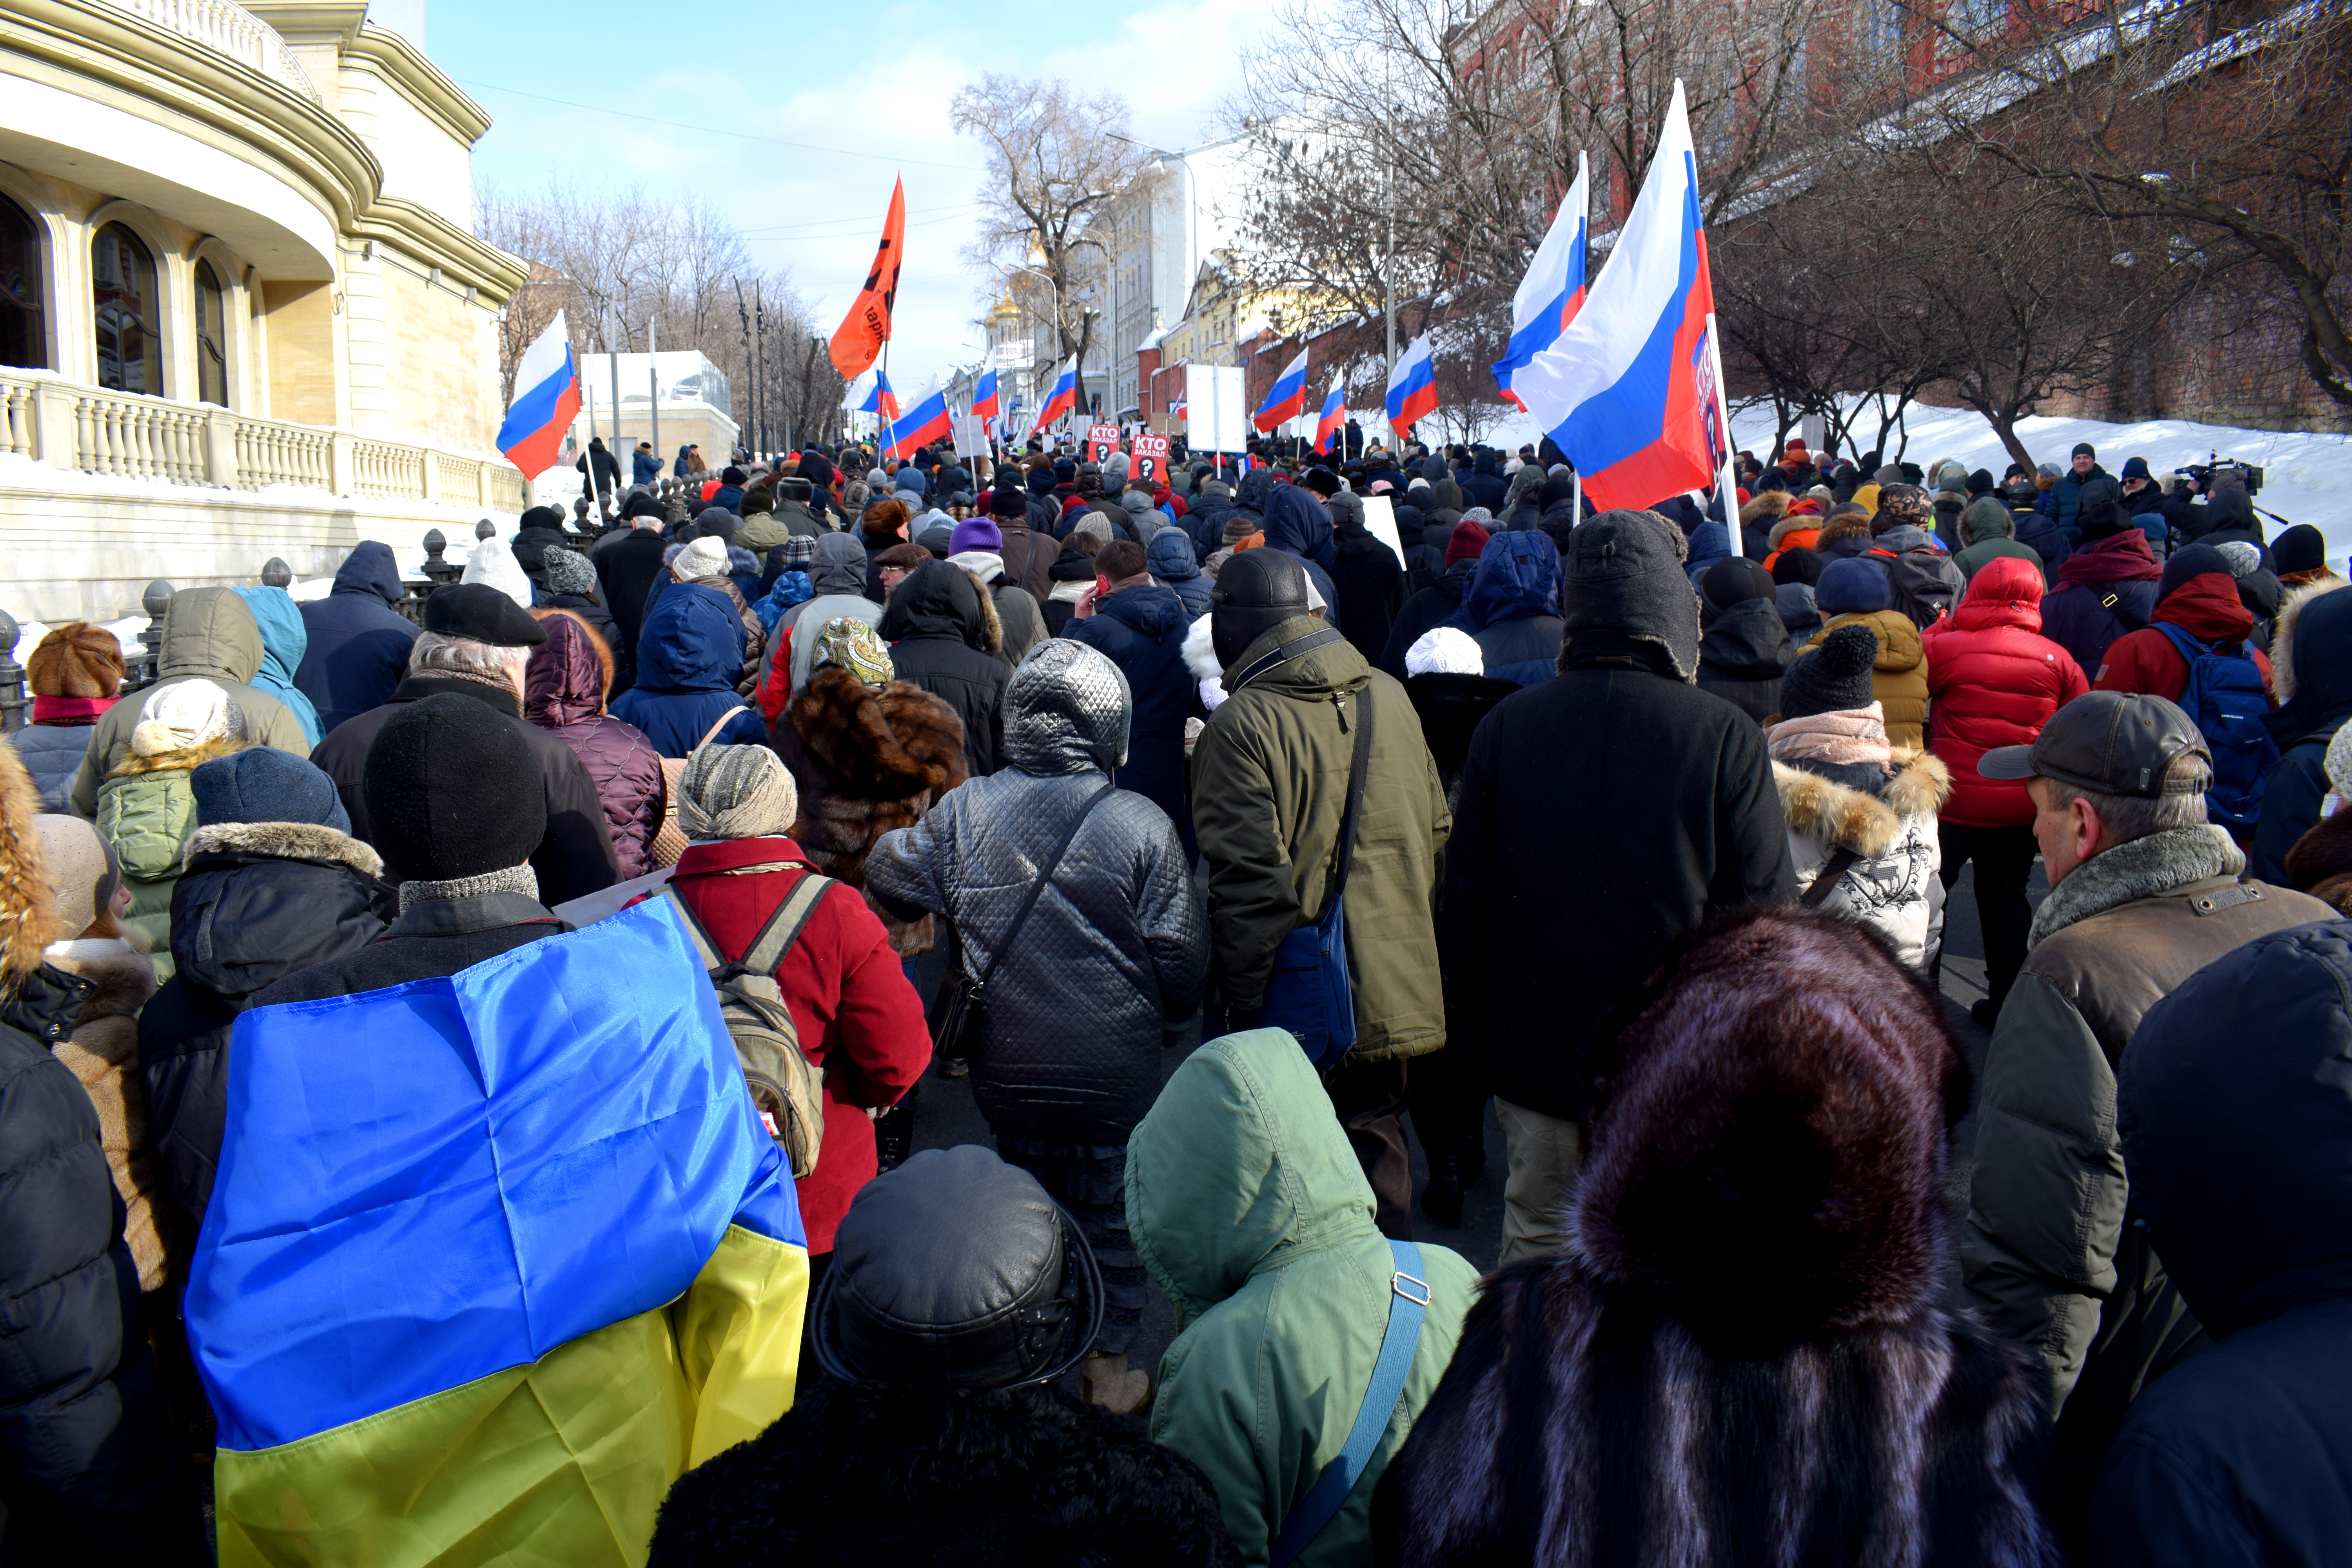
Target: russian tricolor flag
x=926, y=420
x=1061, y=400
x=1632, y=390
x=546, y=401
x=1413, y=387
x=880, y=399
x=1334, y=417
x=1552, y=292
x=1288, y=399
x=983, y=397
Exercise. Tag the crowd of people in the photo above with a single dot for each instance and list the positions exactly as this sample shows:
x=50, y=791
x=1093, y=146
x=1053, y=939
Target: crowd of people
x=1410, y=787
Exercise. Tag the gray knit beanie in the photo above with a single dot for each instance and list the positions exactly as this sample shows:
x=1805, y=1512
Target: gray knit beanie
x=736, y=792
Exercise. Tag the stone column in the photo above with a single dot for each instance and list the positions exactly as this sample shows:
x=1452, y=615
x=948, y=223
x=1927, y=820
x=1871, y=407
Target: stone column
x=55, y=440
x=220, y=448
x=342, y=475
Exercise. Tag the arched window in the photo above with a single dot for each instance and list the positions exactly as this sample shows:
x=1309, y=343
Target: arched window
x=130, y=348
x=24, y=337
x=212, y=337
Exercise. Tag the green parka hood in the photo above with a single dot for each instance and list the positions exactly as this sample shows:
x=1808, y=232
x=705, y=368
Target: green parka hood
x=211, y=633
x=1241, y=1167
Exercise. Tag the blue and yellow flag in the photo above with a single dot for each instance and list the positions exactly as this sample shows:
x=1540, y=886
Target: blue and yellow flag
x=492, y=1260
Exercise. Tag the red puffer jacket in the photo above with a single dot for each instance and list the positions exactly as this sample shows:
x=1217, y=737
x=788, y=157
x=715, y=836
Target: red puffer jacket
x=857, y=1017
x=1994, y=680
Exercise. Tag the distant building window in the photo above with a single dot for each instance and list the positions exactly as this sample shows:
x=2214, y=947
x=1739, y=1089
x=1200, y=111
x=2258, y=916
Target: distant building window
x=1883, y=25
x=212, y=337
x=123, y=282
x=23, y=342
x=1979, y=18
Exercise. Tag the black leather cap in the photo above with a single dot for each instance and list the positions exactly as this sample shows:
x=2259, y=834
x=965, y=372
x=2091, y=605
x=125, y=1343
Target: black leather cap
x=956, y=1271
x=479, y=613
x=2113, y=742
x=1256, y=591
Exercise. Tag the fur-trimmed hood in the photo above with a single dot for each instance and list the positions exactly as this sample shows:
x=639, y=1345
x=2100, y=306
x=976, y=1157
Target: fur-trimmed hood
x=2283, y=676
x=1768, y=504
x=1850, y=819
x=1789, y=526
x=132, y=764
x=283, y=841
x=124, y=976
x=892, y=742
x=2142, y=869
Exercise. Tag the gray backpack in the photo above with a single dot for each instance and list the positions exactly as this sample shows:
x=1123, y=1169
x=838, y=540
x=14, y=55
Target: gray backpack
x=786, y=1086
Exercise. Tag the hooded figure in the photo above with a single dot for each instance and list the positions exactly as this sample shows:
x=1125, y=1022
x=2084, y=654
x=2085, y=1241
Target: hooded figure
x=565, y=691
x=1512, y=608
x=2106, y=588
x=1368, y=576
x=1111, y=957
x=356, y=645
x=1617, y=772
x=1297, y=525
x=836, y=573
x=2311, y=675
x=1139, y=626
x=146, y=809
x=688, y=657
x=1743, y=643
x=209, y=633
x=1777, y=1114
x=945, y=639
x=284, y=640
x=1255, y=1219
x=274, y=882
x=1795, y=572
x=1170, y=558
x=2236, y=1127
x=1986, y=532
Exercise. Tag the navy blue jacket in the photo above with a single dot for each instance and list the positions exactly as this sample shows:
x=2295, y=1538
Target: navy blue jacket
x=1513, y=605
x=1297, y=525
x=689, y=657
x=1170, y=559
x=2236, y=1120
x=2319, y=649
x=1141, y=630
x=359, y=643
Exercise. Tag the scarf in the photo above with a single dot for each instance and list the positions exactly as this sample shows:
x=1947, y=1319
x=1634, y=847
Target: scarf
x=1855, y=735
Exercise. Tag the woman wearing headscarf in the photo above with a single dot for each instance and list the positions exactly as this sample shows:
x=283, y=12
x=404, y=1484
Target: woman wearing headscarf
x=284, y=640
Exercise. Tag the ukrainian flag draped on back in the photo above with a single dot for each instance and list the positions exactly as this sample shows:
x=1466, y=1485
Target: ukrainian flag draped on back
x=492, y=1260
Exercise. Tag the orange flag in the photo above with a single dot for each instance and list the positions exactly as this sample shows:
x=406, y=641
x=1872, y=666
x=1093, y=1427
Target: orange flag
x=859, y=340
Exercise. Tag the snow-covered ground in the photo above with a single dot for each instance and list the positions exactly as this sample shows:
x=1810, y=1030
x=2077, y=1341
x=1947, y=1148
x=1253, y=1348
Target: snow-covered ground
x=2307, y=476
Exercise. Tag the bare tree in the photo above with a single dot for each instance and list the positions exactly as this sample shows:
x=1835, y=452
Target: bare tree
x=2236, y=140
x=1055, y=157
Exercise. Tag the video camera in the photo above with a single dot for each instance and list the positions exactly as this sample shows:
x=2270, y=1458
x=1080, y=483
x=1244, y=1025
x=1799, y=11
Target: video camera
x=2217, y=468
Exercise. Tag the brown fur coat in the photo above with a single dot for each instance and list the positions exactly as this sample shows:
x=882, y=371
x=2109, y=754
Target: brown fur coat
x=867, y=761
x=103, y=1053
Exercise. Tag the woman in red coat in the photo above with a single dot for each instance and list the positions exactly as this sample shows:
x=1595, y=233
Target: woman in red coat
x=1994, y=680
x=857, y=1016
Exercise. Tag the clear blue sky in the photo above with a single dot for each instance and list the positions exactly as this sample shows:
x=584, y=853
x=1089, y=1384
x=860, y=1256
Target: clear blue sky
x=861, y=93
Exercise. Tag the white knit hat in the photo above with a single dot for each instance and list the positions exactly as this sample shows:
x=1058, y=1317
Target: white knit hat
x=493, y=562
x=706, y=557
x=185, y=714
x=1447, y=650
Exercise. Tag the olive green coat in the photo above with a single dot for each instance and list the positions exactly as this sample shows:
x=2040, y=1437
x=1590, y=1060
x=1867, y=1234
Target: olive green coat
x=1249, y=1208
x=1270, y=779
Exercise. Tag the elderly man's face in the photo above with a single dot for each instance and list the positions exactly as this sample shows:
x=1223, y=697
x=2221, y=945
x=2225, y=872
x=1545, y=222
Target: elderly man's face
x=891, y=576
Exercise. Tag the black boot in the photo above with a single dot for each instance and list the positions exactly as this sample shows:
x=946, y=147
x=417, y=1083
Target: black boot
x=1442, y=1198
x=1470, y=1153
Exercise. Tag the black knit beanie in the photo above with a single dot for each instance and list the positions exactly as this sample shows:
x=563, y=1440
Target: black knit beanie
x=452, y=791
x=1797, y=565
x=1832, y=678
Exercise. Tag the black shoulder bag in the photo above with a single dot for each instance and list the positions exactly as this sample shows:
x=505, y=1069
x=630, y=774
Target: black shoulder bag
x=954, y=1014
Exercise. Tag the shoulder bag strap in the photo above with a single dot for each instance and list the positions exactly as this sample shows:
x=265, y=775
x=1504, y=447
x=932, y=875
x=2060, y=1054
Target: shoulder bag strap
x=1408, y=1305
x=1322, y=636
x=712, y=959
x=1037, y=887
x=1826, y=880
x=721, y=725
x=791, y=918
x=1357, y=768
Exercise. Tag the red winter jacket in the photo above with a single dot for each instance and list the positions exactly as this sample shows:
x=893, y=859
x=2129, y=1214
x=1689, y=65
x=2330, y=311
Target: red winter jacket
x=1994, y=680
x=858, y=1017
x=2206, y=606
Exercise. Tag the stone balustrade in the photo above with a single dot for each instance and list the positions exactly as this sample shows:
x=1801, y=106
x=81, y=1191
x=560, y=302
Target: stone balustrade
x=231, y=29
x=126, y=435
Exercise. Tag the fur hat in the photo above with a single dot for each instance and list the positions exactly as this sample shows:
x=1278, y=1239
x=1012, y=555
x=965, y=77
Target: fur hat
x=568, y=572
x=452, y=791
x=1832, y=678
x=706, y=557
x=76, y=660
x=1623, y=572
x=1776, y=1115
x=183, y=715
x=262, y=783
x=736, y=792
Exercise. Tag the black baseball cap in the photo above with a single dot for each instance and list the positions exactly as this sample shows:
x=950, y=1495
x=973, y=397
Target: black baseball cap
x=2113, y=742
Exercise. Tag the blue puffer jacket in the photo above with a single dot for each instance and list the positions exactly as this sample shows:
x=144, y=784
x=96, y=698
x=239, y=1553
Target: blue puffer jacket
x=1513, y=606
x=688, y=658
x=52, y=754
x=1169, y=558
x=1141, y=630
